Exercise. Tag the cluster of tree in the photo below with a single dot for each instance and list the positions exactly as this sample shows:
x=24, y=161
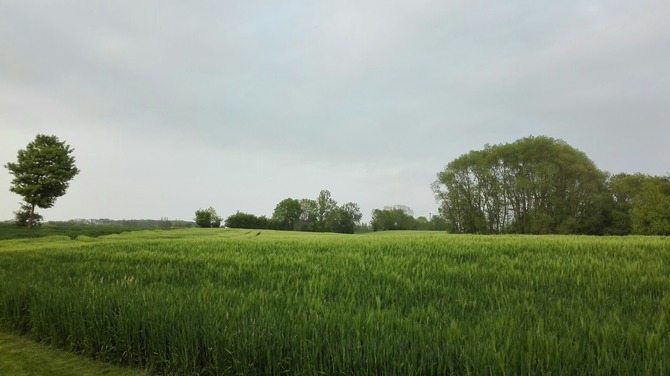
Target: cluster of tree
x=640, y=204
x=540, y=185
x=397, y=217
x=246, y=220
x=207, y=218
x=322, y=214
x=400, y=217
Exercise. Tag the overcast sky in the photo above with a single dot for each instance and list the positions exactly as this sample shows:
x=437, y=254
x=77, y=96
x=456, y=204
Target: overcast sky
x=172, y=106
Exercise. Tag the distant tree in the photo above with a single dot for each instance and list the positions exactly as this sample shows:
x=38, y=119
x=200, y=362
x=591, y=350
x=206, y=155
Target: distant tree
x=181, y=224
x=130, y=223
x=383, y=220
x=325, y=206
x=286, y=215
x=639, y=204
x=309, y=215
x=354, y=211
x=25, y=219
x=207, y=218
x=246, y=220
x=322, y=214
x=438, y=223
x=623, y=188
x=404, y=208
x=392, y=219
x=650, y=212
x=340, y=220
x=42, y=173
x=343, y=219
x=423, y=224
x=164, y=223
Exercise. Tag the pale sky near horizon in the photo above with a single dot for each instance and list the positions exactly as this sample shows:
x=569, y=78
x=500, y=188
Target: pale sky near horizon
x=176, y=106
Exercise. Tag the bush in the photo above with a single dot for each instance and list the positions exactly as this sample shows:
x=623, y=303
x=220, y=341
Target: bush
x=246, y=220
x=22, y=217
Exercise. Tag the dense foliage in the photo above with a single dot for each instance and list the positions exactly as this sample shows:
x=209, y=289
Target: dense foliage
x=246, y=220
x=320, y=215
x=539, y=185
x=26, y=216
x=286, y=215
x=641, y=204
x=42, y=173
x=393, y=218
x=400, y=217
x=202, y=301
x=207, y=218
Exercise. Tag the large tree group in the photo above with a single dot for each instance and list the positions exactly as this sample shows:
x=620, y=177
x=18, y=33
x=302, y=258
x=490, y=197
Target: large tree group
x=540, y=185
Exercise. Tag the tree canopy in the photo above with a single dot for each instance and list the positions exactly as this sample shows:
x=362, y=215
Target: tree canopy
x=393, y=218
x=246, y=220
x=42, y=173
x=536, y=185
x=207, y=218
x=286, y=215
x=641, y=204
x=322, y=214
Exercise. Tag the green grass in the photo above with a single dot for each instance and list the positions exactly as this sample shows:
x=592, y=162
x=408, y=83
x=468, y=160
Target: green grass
x=21, y=357
x=215, y=301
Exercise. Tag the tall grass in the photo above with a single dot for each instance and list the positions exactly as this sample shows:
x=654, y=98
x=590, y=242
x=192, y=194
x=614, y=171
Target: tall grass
x=249, y=302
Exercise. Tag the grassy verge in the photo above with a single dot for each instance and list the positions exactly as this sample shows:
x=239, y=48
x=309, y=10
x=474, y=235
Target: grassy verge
x=21, y=357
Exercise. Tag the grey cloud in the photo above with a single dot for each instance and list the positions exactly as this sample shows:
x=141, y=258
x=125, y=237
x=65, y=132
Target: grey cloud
x=340, y=86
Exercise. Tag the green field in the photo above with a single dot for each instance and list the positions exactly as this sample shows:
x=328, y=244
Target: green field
x=12, y=231
x=216, y=301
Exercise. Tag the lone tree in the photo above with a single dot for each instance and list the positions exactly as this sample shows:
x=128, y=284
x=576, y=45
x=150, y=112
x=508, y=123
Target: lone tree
x=42, y=172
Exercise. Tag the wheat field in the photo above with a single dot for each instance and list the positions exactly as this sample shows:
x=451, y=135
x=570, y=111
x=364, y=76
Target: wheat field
x=240, y=302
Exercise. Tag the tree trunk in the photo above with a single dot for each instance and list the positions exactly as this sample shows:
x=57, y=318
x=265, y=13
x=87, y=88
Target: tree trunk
x=32, y=215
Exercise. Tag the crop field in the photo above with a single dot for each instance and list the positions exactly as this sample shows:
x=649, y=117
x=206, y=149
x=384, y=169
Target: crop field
x=216, y=301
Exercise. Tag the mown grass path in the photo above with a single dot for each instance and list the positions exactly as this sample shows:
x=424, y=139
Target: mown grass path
x=214, y=301
x=22, y=357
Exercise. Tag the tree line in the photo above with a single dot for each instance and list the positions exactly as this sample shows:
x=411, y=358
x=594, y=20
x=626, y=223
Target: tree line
x=535, y=185
x=540, y=185
x=322, y=214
